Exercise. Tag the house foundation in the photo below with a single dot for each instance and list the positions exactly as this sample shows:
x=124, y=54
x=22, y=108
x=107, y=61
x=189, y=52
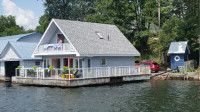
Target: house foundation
x=80, y=81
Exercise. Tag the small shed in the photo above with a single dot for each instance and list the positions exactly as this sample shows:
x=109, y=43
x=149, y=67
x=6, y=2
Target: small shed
x=178, y=52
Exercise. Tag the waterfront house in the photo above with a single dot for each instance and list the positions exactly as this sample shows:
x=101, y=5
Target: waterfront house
x=16, y=50
x=78, y=44
x=78, y=53
x=178, y=52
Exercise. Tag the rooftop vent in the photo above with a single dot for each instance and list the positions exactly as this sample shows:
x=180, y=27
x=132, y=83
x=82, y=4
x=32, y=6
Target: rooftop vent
x=99, y=34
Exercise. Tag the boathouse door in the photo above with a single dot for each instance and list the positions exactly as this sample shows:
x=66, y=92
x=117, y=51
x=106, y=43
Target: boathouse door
x=10, y=67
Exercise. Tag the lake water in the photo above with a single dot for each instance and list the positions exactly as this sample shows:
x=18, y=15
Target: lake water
x=149, y=96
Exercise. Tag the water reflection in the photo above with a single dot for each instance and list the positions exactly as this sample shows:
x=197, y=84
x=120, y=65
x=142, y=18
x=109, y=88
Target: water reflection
x=138, y=97
x=8, y=84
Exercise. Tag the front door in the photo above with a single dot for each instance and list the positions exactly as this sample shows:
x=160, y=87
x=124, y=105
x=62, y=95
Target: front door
x=55, y=62
x=10, y=67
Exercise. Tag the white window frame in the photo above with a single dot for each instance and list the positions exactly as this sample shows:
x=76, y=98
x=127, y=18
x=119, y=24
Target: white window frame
x=101, y=61
x=37, y=63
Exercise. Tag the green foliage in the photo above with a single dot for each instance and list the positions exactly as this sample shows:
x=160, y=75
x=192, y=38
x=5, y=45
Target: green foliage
x=137, y=19
x=66, y=70
x=31, y=72
x=191, y=70
x=50, y=68
x=8, y=26
x=19, y=67
x=44, y=22
x=34, y=67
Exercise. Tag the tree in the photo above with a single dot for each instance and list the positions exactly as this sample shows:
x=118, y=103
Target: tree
x=8, y=26
x=44, y=22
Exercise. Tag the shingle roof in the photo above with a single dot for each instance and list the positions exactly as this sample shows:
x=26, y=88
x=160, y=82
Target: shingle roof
x=83, y=36
x=24, y=49
x=177, y=47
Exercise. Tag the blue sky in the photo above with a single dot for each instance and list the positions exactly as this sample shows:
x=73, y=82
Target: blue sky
x=27, y=12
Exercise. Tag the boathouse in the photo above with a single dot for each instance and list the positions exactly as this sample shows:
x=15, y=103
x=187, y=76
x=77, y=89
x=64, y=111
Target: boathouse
x=79, y=53
x=178, y=52
x=16, y=50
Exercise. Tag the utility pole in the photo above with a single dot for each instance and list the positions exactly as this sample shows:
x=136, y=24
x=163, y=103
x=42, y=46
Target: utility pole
x=199, y=33
x=159, y=17
x=159, y=25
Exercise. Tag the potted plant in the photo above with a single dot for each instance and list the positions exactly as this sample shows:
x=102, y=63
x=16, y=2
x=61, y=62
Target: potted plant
x=19, y=67
x=18, y=72
x=50, y=68
x=34, y=67
x=64, y=72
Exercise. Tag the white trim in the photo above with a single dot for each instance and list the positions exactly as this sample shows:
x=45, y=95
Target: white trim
x=53, y=54
x=92, y=55
x=41, y=39
x=177, y=58
x=90, y=63
x=101, y=62
x=66, y=37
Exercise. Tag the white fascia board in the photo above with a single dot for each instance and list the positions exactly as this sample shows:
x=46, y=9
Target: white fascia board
x=66, y=38
x=96, y=55
x=53, y=54
x=32, y=56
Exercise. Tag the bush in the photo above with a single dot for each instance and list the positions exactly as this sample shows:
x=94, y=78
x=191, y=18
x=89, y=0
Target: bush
x=19, y=67
x=191, y=70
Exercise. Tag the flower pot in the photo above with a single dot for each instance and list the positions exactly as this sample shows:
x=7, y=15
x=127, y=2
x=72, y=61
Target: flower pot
x=63, y=76
x=67, y=76
x=72, y=76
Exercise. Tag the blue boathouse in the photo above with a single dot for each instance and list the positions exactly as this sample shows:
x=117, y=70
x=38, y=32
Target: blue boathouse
x=178, y=52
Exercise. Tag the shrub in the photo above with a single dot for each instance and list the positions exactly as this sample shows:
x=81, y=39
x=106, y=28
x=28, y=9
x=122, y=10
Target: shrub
x=19, y=67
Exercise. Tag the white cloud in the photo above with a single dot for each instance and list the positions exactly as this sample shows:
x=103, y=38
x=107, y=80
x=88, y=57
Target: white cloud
x=25, y=18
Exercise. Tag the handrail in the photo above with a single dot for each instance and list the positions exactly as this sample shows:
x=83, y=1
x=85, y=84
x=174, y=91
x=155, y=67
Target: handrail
x=56, y=73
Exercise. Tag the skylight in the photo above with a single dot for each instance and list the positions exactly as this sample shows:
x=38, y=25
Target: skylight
x=99, y=35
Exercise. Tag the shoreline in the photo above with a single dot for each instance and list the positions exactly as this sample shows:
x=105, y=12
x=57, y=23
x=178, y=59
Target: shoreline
x=172, y=76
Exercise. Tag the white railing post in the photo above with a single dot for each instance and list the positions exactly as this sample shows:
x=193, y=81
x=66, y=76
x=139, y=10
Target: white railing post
x=57, y=73
x=96, y=72
x=115, y=71
x=139, y=69
x=25, y=72
x=43, y=73
x=69, y=74
x=16, y=72
x=129, y=70
x=109, y=72
x=83, y=73
x=37, y=72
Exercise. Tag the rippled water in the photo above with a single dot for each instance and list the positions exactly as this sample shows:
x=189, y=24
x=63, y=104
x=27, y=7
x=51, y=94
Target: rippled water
x=144, y=96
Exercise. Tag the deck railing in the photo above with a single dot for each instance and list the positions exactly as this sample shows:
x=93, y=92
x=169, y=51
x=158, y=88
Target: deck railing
x=82, y=72
x=54, y=48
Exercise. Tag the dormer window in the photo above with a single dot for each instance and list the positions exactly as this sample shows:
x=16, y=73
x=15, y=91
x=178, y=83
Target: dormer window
x=99, y=34
x=60, y=38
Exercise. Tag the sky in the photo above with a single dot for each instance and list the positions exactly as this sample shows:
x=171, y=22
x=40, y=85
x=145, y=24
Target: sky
x=27, y=12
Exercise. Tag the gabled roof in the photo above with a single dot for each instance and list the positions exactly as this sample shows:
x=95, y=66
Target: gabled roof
x=14, y=38
x=178, y=47
x=84, y=38
x=24, y=49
